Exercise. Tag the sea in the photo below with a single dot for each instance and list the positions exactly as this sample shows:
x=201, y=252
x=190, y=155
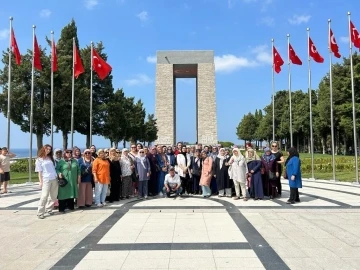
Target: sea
x=23, y=152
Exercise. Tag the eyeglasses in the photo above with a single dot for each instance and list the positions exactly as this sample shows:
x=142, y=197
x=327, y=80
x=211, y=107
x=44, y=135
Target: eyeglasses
x=142, y=152
x=274, y=145
x=87, y=153
x=68, y=152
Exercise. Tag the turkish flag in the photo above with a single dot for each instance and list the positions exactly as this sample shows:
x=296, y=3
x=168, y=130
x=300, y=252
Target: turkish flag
x=78, y=66
x=333, y=45
x=100, y=66
x=314, y=53
x=355, y=37
x=53, y=57
x=278, y=62
x=36, y=55
x=293, y=57
x=15, y=48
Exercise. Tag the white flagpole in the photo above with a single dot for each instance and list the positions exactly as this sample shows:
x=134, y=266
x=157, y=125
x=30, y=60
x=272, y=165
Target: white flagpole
x=289, y=75
x=73, y=97
x=52, y=92
x=32, y=106
x=331, y=107
x=273, y=89
x=310, y=108
x=9, y=88
x=353, y=103
x=91, y=92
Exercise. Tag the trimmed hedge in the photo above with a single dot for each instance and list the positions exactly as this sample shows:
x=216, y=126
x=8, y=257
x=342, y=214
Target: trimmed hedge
x=21, y=165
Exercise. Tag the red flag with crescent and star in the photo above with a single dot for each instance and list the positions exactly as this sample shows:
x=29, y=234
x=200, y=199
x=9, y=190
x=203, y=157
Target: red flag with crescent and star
x=278, y=61
x=314, y=53
x=293, y=56
x=15, y=48
x=333, y=45
x=53, y=56
x=355, y=37
x=78, y=66
x=101, y=68
x=36, y=55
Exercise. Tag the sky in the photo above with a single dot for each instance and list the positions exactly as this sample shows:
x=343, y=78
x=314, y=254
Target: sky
x=239, y=32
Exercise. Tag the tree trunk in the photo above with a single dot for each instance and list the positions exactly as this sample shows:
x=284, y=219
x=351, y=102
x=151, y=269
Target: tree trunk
x=65, y=139
x=124, y=143
x=309, y=145
x=39, y=141
x=345, y=146
x=323, y=145
x=298, y=142
x=116, y=145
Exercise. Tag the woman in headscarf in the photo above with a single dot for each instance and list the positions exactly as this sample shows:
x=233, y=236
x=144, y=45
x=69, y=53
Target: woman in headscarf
x=269, y=172
x=183, y=169
x=293, y=173
x=85, y=186
x=237, y=172
x=69, y=169
x=206, y=174
x=221, y=174
x=254, y=165
x=115, y=175
x=279, y=160
x=127, y=168
x=143, y=170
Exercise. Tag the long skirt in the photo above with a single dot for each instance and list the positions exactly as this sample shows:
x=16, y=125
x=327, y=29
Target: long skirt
x=126, y=186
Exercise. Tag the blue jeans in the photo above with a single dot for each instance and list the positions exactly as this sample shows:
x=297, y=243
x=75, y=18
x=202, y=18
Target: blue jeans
x=177, y=192
x=206, y=191
x=100, y=192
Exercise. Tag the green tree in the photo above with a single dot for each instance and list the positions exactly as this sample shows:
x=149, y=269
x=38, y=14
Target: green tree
x=21, y=94
x=246, y=128
x=150, y=129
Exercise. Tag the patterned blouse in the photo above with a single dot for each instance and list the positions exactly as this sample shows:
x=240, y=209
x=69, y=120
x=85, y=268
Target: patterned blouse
x=125, y=163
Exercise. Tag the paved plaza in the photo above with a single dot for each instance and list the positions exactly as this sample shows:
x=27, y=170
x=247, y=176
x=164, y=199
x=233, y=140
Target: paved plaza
x=321, y=232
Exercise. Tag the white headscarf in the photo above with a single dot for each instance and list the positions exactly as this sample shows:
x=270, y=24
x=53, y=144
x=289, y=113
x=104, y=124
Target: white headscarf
x=221, y=157
x=239, y=156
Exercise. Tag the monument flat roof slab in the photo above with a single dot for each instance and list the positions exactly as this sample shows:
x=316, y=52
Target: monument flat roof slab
x=184, y=57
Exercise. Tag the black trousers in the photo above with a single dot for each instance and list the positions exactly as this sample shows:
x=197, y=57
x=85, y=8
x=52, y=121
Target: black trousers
x=187, y=184
x=115, y=190
x=278, y=184
x=66, y=203
x=196, y=180
x=294, y=195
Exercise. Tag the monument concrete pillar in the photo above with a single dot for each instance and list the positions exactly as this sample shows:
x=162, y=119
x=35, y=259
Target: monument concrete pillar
x=185, y=64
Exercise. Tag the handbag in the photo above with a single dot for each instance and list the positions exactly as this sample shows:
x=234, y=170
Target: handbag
x=62, y=182
x=271, y=175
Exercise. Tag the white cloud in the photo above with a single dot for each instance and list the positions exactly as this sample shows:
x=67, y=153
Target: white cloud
x=4, y=34
x=260, y=55
x=230, y=62
x=269, y=21
x=344, y=39
x=151, y=59
x=90, y=4
x=143, y=16
x=299, y=19
x=45, y=13
x=140, y=79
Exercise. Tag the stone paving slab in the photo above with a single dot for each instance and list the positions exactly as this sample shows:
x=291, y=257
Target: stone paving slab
x=321, y=232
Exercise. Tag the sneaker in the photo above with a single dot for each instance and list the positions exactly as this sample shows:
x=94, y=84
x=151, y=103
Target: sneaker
x=50, y=213
x=145, y=197
x=104, y=204
x=236, y=198
x=99, y=205
x=41, y=217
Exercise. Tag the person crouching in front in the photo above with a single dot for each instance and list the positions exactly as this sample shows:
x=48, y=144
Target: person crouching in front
x=172, y=183
x=101, y=173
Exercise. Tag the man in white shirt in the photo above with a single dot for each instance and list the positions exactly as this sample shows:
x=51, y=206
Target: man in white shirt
x=172, y=183
x=5, y=158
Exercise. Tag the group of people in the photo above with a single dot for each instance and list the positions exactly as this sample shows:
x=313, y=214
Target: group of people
x=70, y=177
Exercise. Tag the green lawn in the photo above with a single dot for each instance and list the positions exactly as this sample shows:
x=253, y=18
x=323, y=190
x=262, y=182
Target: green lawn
x=21, y=178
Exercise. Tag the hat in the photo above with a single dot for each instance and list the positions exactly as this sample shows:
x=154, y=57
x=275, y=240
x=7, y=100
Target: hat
x=267, y=149
x=87, y=150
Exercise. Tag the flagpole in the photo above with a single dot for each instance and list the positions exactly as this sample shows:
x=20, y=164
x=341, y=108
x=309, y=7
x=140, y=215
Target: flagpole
x=52, y=92
x=73, y=97
x=9, y=88
x=310, y=109
x=91, y=92
x=32, y=106
x=273, y=89
x=289, y=76
x=331, y=106
x=353, y=102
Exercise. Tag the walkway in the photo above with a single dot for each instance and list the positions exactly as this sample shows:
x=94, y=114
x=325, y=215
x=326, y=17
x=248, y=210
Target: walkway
x=321, y=232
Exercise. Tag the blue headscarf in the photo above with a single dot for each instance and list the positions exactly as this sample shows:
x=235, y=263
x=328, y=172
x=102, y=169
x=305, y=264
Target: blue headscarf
x=268, y=158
